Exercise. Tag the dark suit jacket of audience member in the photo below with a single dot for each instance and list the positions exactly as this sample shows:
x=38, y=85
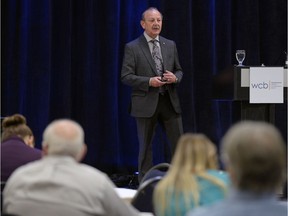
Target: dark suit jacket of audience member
x=15, y=153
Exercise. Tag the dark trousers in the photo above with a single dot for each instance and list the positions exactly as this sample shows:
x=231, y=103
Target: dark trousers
x=172, y=125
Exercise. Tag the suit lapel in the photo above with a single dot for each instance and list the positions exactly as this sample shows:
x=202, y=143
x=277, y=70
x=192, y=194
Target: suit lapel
x=146, y=51
x=164, y=52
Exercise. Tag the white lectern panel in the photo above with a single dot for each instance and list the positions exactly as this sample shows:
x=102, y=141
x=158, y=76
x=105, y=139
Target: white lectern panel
x=266, y=85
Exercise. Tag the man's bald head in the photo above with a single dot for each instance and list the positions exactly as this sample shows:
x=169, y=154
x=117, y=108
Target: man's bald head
x=63, y=137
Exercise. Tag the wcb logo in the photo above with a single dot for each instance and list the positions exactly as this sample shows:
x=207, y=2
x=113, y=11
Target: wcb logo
x=261, y=85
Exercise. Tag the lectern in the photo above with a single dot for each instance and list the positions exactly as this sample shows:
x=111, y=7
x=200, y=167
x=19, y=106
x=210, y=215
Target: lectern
x=264, y=112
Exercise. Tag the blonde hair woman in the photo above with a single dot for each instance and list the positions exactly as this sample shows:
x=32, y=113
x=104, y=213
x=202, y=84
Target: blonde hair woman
x=193, y=178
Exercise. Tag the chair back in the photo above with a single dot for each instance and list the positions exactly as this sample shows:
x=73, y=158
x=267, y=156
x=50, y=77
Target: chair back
x=3, y=183
x=157, y=170
x=143, y=199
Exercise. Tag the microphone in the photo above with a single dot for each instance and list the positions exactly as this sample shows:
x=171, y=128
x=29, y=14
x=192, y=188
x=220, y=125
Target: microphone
x=286, y=61
x=281, y=58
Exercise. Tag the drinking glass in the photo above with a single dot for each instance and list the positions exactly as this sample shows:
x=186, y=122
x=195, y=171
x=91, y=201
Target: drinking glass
x=240, y=56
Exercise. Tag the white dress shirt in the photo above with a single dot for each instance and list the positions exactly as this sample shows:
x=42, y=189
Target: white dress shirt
x=57, y=185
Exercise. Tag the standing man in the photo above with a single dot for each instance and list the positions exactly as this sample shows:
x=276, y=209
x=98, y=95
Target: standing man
x=151, y=67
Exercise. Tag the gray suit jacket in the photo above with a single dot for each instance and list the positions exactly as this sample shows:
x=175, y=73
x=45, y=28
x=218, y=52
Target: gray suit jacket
x=137, y=68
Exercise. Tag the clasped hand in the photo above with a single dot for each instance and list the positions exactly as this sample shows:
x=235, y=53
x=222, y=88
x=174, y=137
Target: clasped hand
x=168, y=78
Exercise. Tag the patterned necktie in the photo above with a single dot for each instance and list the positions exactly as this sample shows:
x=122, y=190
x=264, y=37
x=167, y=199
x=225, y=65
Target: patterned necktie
x=158, y=62
x=157, y=57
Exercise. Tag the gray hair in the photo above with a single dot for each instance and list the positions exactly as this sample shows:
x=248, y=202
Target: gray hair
x=64, y=137
x=255, y=152
x=150, y=9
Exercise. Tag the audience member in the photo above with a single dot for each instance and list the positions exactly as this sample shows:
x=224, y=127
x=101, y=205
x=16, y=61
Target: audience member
x=193, y=179
x=254, y=153
x=58, y=184
x=17, y=147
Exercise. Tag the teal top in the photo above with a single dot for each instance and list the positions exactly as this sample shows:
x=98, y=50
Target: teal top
x=209, y=193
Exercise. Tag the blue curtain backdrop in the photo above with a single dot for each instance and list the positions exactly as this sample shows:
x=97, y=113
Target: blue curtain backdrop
x=62, y=59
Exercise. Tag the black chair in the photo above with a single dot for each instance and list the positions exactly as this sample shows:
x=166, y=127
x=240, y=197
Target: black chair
x=3, y=183
x=143, y=199
x=283, y=196
x=157, y=170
